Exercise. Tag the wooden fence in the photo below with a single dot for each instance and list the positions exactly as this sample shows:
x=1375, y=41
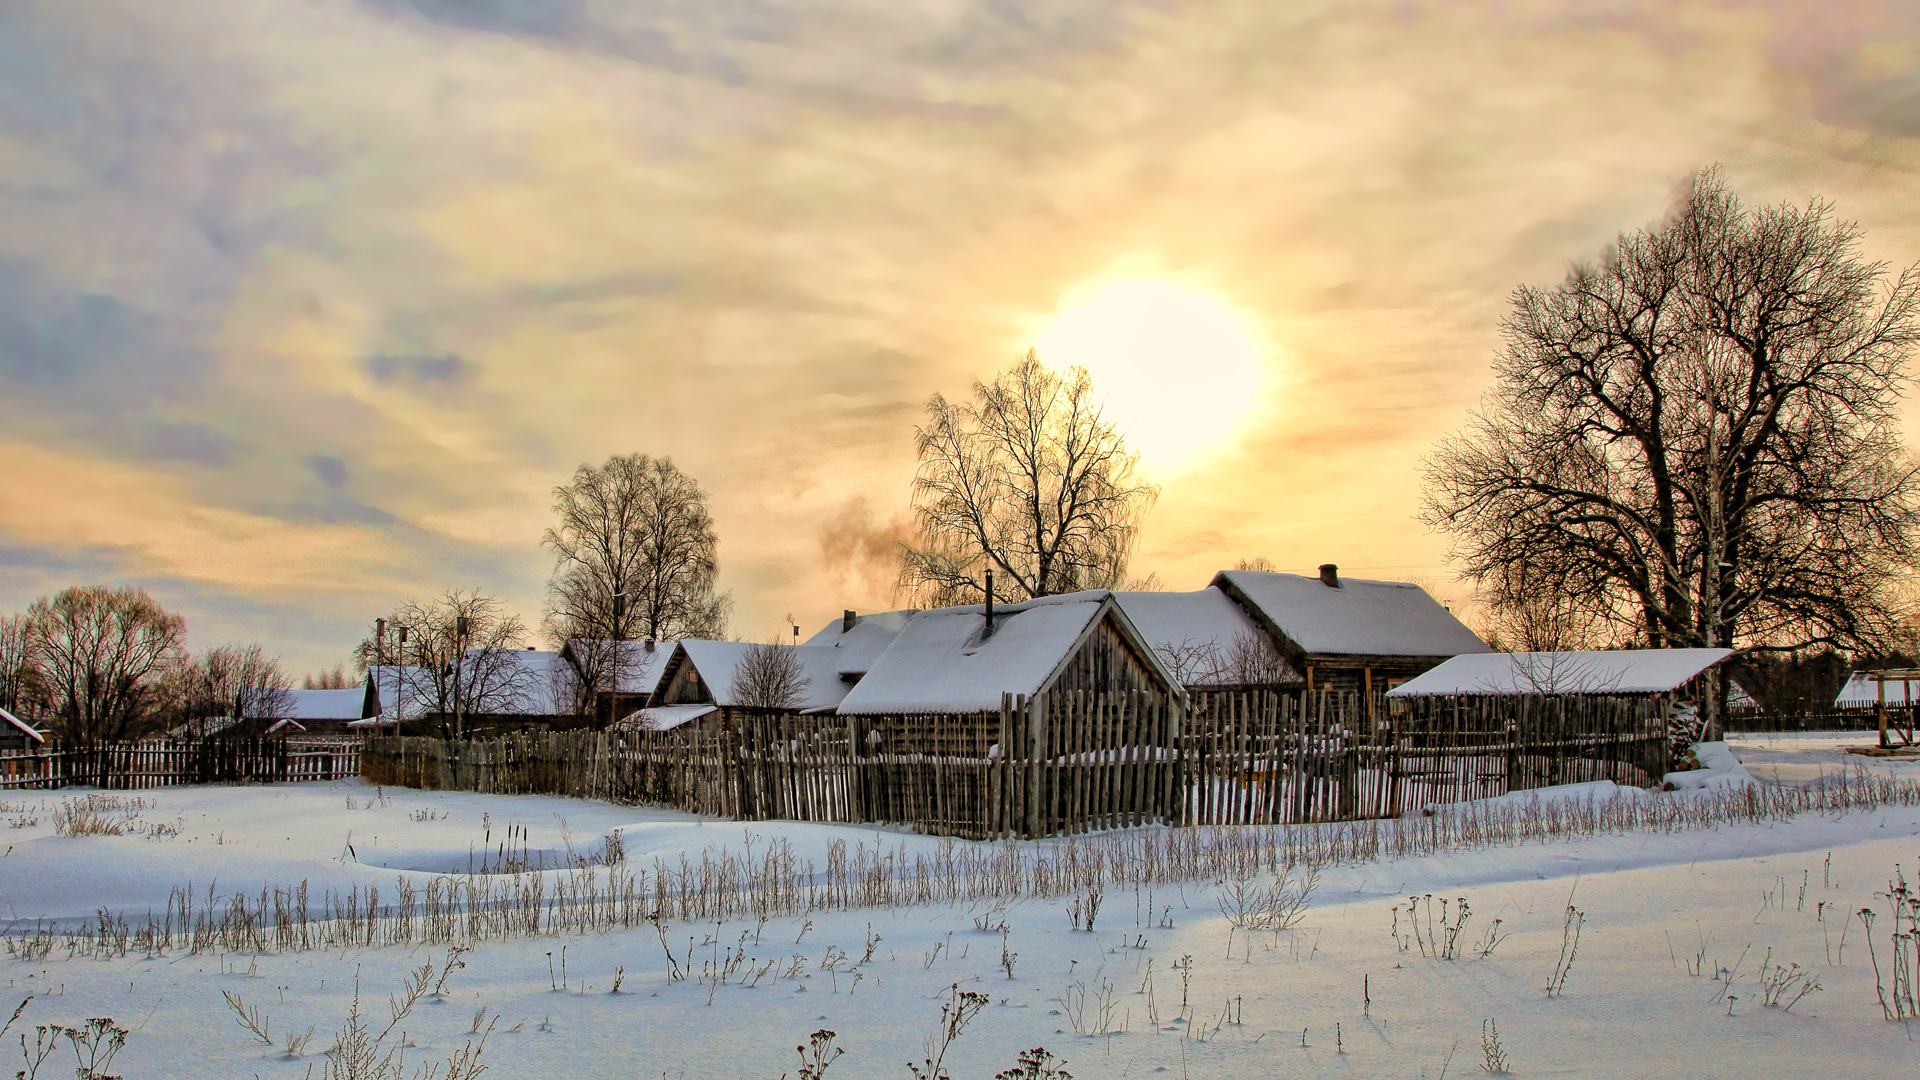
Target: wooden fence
x=152, y=763
x=1068, y=762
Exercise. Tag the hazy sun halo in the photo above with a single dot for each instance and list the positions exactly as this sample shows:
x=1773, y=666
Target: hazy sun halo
x=1175, y=368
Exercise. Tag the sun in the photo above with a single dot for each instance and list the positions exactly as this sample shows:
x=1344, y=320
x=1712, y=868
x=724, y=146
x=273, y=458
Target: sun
x=1175, y=369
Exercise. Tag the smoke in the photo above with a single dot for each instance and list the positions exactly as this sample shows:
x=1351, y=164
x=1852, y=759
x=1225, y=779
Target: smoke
x=860, y=554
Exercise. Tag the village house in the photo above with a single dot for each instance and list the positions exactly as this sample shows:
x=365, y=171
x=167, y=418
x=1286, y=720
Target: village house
x=700, y=680
x=628, y=672
x=1350, y=634
x=1208, y=642
x=963, y=659
x=16, y=734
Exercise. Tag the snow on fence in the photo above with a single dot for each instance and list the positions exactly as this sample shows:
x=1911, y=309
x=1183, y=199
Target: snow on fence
x=1069, y=762
x=152, y=763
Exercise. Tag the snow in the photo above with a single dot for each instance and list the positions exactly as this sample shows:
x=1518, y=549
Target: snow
x=325, y=704
x=1360, y=617
x=1623, y=671
x=641, y=663
x=668, y=717
x=402, y=693
x=21, y=726
x=941, y=663
x=864, y=642
x=1177, y=620
x=1861, y=692
x=719, y=661
x=1259, y=1005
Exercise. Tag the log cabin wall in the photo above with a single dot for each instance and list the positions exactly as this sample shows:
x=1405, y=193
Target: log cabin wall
x=1107, y=663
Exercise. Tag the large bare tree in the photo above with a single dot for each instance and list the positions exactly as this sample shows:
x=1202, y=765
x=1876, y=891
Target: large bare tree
x=224, y=684
x=461, y=659
x=635, y=558
x=1027, y=479
x=21, y=687
x=1693, y=440
x=101, y=654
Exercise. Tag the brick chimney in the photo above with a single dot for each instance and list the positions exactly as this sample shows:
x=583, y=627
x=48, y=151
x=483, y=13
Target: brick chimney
x=847, y=619
x=1329, y=575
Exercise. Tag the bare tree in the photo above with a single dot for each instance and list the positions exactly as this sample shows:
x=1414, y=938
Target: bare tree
x=22, y=690
x=1259, y=564
x=770, y=677
x=223, y=685
x=1027, y=479
x=334, y=678
x=1545, y=619
x=1250, y=659
x=635, y=558
x=101, y=653
x=1693, y=442
x=461, y=659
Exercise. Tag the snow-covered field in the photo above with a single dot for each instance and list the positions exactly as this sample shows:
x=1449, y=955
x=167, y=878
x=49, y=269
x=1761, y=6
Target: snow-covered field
x=1161, y=985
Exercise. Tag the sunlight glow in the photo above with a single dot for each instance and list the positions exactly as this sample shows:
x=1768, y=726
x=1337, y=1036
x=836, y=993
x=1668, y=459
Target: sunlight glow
x=1176, y=369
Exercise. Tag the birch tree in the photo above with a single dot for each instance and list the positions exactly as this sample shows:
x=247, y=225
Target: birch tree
x=1693, y=440
x=635, y=558
x=1027, y=480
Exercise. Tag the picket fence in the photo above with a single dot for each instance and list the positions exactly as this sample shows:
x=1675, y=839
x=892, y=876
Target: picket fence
x=1067, y=763
x=152, y=763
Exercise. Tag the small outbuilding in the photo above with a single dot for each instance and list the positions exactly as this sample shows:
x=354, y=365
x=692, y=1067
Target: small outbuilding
x=17, y=735
x=1674, y=673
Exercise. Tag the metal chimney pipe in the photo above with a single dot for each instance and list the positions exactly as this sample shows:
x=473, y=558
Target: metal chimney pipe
x=847, y=619
x=988, y=632
x=1329, y=575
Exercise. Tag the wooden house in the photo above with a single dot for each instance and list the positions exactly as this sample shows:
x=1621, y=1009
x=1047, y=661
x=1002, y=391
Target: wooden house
x=1350, y=634
x=1208, y=642
x=704, y=673
x=627, y=673
x=18, y=735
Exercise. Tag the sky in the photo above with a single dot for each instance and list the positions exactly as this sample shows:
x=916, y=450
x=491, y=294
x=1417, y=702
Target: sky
x=307, y=305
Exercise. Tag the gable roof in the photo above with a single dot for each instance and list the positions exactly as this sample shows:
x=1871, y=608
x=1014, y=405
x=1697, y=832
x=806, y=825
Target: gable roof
x=325, y=704
x=717, y=662
x=1358, y=617
x=542, y=682
x=10, y=721
x=860, y=645
x=640, y=667
x=940, y=662
x=1621, y=671
x=1204, y=619
x=400, y=692
x=1861, y=692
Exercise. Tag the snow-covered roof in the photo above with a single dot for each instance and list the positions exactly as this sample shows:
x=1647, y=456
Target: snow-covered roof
x=1622, y=671
x=940, y=663
x=863, y=642
x=1183, y=623
x=640, y=666
x=8, y=720
x=665, y=717
x=1862, y=692
x=1357, y=617
x=717, y=662
x=542, y=685
x=401, y=693
x=323, y=704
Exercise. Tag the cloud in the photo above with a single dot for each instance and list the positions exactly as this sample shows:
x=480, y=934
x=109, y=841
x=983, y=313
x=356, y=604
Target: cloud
x=296, y=299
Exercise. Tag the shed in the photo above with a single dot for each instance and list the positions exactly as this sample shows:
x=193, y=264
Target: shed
x=1207, y=641
x=1615, y=673
x=1862, y=691
x=1350, y=634
x=16, y=734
